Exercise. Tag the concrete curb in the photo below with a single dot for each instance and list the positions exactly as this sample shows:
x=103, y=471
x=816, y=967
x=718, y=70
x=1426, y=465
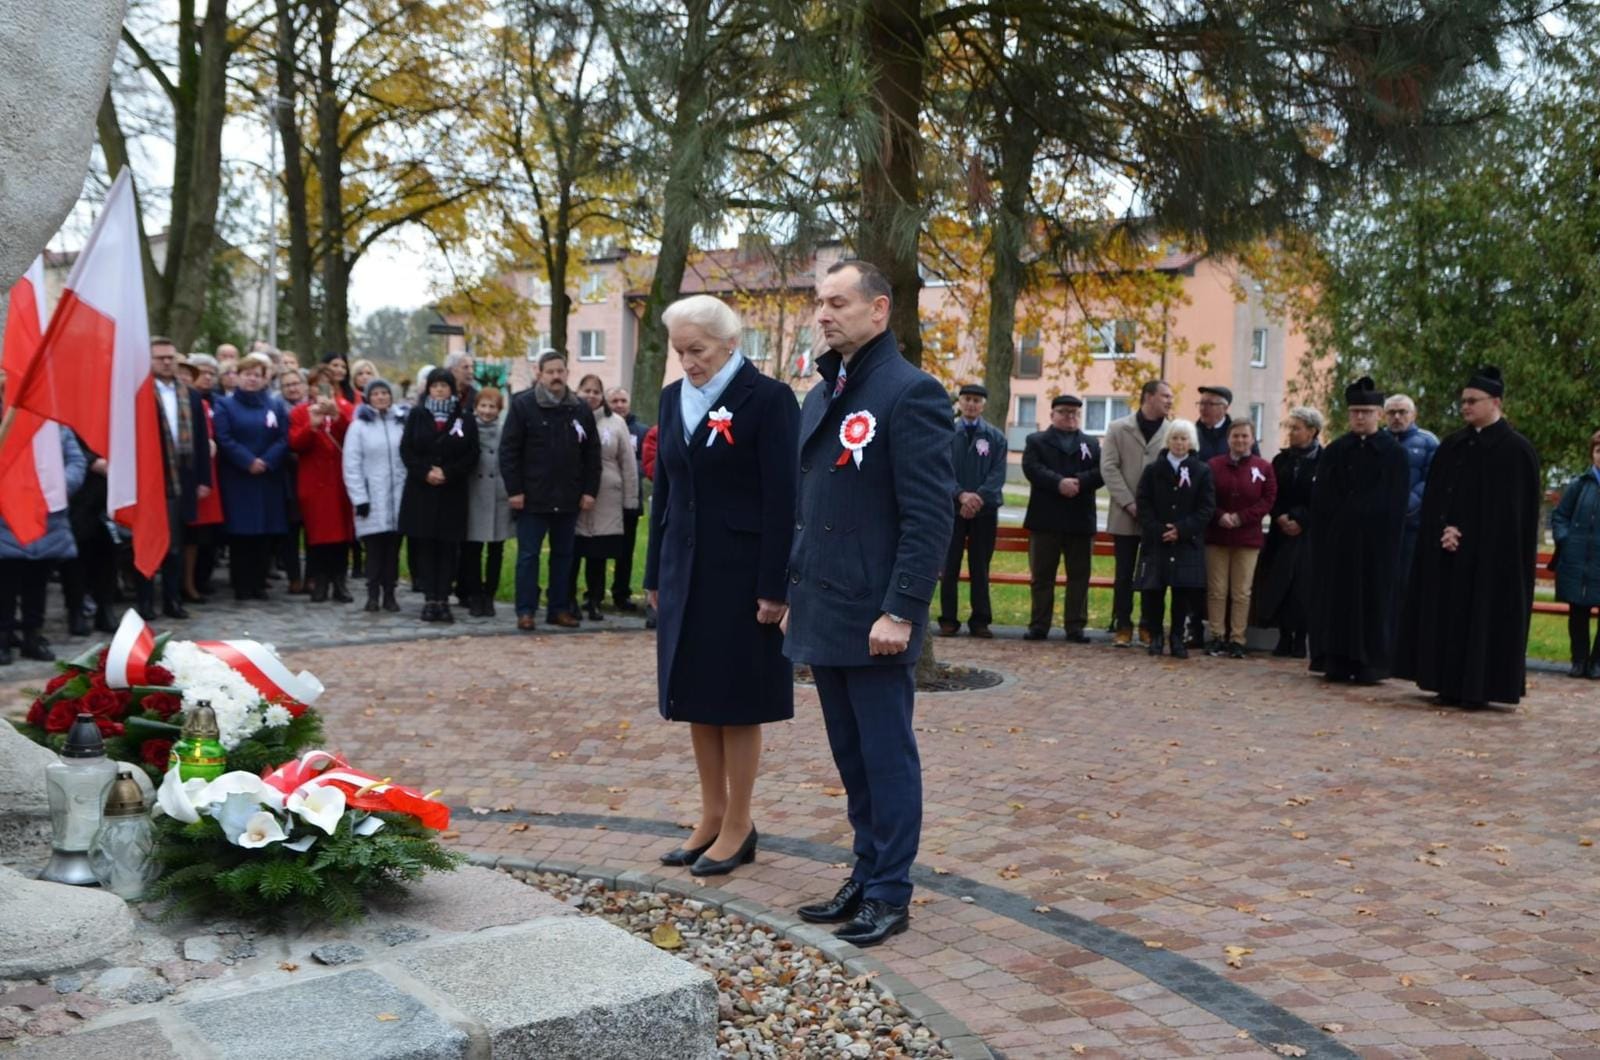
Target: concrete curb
x=956, y=1035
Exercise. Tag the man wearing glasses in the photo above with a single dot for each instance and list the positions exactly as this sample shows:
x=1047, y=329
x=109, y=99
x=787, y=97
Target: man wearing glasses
x=1400, y=415
x=1464, y=627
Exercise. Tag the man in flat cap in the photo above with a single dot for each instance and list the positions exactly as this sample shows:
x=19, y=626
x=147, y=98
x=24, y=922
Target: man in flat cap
x=1212, y=424
x=1464, y=623
x=1062, y=465
x=978, y=451
x=1358, y=506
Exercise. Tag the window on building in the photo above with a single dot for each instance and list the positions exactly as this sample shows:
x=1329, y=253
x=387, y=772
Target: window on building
x=1098, y=412
x=1114, y=338
x=591, y=345
x=593, y=288
x=1030, y=357
x=1258, y=414
x=1027, y=412
x=539, y=291
x=753, y=344
x=538, y=344
x=1258, y=348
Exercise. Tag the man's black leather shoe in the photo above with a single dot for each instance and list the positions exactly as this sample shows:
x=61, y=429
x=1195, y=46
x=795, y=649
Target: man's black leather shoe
x=841, y=907
x=177, y=611
x=1078, y=638
x=876, y=921
x=1035, y=634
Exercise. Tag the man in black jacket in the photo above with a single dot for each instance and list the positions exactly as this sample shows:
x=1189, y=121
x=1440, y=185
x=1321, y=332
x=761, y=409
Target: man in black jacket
x=186, y=461
x=550, y=460
x=1062, y=464
x=978, y=454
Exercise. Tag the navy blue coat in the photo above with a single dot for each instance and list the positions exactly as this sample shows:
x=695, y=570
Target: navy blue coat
x=870, y=538
x=721, y=521
x=253, y=504
x=194, y=467
x=1575, y=524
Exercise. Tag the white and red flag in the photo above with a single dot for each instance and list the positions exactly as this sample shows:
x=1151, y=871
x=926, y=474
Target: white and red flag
x=34, y=482
x=92, y=373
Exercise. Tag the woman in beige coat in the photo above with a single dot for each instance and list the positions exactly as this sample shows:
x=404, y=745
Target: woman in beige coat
x=599, y=531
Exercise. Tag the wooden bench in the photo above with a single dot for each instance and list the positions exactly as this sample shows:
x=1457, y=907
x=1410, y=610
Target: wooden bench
x=1015, y=539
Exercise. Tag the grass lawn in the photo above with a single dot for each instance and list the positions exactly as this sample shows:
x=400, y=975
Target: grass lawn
x=1547, y=638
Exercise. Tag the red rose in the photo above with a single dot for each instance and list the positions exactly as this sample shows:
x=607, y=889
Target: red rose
x=57, y=681
x=61, y=717
x=154, y=753
x=109, y=727
x=100, y=660
x=157, y=675
x=164, y=704
x=103, y=703
x=37, y=713
x=97, y=680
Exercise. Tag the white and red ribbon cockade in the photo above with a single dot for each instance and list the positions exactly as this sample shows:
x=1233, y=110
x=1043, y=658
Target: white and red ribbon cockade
x=1183, y=476
x=720, y=420
x=855, y=434
x=128, y=658
x=983, y=447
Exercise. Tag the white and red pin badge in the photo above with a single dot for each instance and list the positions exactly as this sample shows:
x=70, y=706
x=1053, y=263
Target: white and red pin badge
x=1183, y=476
x=855, y=434
x=720, y=421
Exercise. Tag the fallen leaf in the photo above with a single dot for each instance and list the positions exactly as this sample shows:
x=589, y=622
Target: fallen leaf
x=936, y=871
x=1406, y=981
x=387, y=1017
x=520, y=826
x=288, y=966
x=1095, y=876
x=615, y=790
x=833, y=793
x=1042, y=909
x=451, y=834
x=1333, y=1028
x=1011, y=872
x=479, y=810
x=506, y=807
x=1535, y=912
x=1014, y=729
x=921, y=899
x=1298, y=800
x=1015, y=805
x=1113, y=814
x=1358, y=889
x=666, y=936
x=1585, y=841
x=1153, y=944
x=1242, y=1034
x=1244, y=907
x=1300, y=835
x=1285, y=1049
x=1581, y=970
x=1306, y=894
x=1429, y=859
x=558, y=754
x=1078, y=1050
x=1364, y=911
x=624, y=724
x=1287, y=822
x=1266, y=917
x=1236, y=954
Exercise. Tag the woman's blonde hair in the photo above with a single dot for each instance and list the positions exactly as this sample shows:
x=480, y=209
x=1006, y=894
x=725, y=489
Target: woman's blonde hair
x=256, y=360
x=1185, y=428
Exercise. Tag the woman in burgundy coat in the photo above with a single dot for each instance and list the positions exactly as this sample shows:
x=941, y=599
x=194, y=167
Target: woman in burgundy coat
x=1246, y=488
x=316, y=434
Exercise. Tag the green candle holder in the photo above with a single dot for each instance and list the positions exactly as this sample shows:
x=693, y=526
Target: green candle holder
x=198, y=752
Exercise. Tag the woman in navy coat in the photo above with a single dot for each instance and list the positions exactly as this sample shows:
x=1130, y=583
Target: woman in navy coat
x=721, y=522
x=252, y=426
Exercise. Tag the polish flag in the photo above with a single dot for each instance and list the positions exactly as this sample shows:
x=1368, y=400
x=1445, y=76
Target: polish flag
x=92, y=373
x=35, y=482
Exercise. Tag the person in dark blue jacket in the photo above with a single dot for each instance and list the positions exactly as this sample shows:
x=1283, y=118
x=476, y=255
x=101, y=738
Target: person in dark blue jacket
x=252, y=427
x=872, y=524
x=186, y=457
x=721, y=524
x=1400, y=416
x=978, y=455
x=1575, y=525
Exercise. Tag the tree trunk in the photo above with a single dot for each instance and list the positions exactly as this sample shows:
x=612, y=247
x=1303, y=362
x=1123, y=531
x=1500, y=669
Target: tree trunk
x=294, y=183
x=1008, y=235
x=685, y=176
x=114, y=145
x=335, y=264
x=891, y=211
x=558, y=255
x=183, y=137
x=189, y=275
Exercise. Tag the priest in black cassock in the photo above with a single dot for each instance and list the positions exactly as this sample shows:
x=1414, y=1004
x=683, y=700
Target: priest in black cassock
x=1464, y=625
x=1358, y=506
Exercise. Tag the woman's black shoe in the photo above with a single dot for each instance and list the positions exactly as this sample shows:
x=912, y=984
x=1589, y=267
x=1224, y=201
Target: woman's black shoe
x=389, y=602
x=684, y=855
x=102, y=621
x=78, y=625
x=341, y=592
x=443, y=613
x=430, y=612
x=592, y=613
x=1579, y=669
x=743, y=856
x=1285, y=646
x=1156, y=644
x=319, y=590
x=1179, y=649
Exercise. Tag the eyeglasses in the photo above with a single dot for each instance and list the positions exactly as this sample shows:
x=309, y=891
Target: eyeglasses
x=1472, y=401
x=1211, y=404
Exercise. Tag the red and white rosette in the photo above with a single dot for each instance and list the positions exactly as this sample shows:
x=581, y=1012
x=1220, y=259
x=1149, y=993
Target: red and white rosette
x=855, y=434
x=720, y=421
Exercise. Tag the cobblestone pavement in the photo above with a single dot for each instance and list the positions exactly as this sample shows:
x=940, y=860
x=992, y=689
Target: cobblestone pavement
x=1413, y=881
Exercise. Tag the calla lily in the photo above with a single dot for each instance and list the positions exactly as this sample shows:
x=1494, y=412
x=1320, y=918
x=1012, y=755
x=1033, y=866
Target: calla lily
x=178, y=797
x=234, y=815
x=260, y=830
x=368, y=825
x=301, y=845
x=318, y=804
x=242, y=783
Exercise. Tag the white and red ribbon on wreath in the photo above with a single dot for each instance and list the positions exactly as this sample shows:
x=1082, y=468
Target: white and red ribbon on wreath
x=855, y=434
x=721, y=423
x=128, y=660
x=361, y=790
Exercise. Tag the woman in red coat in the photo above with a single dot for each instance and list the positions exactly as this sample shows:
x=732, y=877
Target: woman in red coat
x=316, y=434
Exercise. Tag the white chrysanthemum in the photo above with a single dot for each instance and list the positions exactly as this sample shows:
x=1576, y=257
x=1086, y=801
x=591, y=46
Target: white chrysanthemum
x=277, y=716
x=205, y=678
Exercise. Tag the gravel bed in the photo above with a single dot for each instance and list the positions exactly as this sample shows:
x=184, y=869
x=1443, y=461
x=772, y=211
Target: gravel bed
x=775, y=998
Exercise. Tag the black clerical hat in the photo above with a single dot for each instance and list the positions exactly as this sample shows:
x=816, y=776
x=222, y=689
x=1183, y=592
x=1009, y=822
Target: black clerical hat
x=1487, y=379
x=1363, y=392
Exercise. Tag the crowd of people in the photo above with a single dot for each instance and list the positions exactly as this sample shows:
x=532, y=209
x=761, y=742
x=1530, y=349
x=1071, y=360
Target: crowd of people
x=314, y=476
x=1385, y=552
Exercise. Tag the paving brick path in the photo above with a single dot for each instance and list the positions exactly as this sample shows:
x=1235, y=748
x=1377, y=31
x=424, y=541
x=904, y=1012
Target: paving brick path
x=1421, y=878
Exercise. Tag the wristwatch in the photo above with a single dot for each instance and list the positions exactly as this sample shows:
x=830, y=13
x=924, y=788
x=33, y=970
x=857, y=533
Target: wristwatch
x=896, y=618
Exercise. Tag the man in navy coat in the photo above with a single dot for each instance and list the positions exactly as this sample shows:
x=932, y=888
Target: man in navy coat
x=186, y=457
x=872, y=521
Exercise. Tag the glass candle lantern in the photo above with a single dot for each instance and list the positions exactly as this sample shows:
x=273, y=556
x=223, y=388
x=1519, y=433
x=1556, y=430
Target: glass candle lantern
x=198, y=752
x=122, y=853
x=77, y=786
